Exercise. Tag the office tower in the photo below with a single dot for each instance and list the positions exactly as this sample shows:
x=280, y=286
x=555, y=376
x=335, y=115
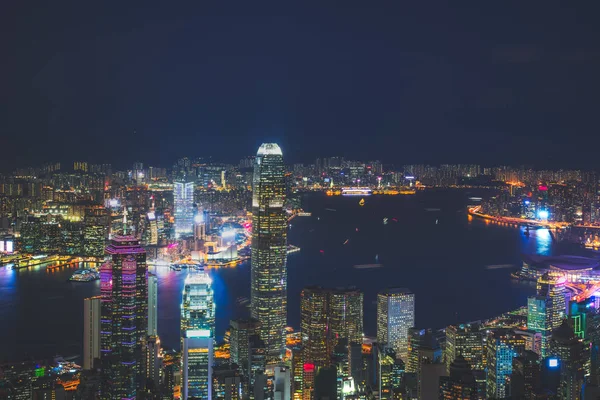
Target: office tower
x=389, y=372
x=153, y=362
x=227, y=383
x=465, y=340
x=124, y=310
x=460, y=383
x=579, y=313
x=282, y=383
x=546, y=310
x=345, y=316
x=356, y=364
x=395, y=315
x=91, y=331
x=183, y=199
x=425, y=359
x=269, y=248
x=526, y=379
x=240, y=331
x=314, y=327
x=570, y=355
x=152, y=305
x=257, y=364
x=197, y=329
x=502, y=346
x=197, y=356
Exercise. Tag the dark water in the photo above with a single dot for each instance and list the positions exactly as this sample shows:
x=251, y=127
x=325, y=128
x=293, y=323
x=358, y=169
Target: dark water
x=445, y=264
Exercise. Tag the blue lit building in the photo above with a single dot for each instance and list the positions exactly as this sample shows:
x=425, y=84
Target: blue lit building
x=183, y=199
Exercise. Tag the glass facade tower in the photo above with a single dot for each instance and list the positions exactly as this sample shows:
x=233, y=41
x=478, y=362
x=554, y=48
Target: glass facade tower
x=197, y=329
x=395, y=316
x=124, y=313
x=183, y=199
x=269, y=248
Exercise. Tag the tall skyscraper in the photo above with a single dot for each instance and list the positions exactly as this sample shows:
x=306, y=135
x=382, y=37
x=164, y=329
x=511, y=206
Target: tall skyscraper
x=502, y=346
x=152, y=305
x=395, y=316
x=124, y=313
x=183, y=199
x=570, y=355
x=91, y=331
x=197, y=329
x=460, y=382
x=327, y=317
x=465, y=340
x=241, y=330
x=269, y=248
x=546, y=310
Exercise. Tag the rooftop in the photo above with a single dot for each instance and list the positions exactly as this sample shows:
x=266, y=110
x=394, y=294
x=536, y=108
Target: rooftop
x=568, y=263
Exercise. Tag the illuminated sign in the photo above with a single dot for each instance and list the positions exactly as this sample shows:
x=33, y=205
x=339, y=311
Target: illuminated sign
x=198, y=333
x=151, y=216
x=553, y=363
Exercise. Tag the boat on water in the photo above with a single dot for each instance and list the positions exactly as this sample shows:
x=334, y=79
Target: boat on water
x=84, y=275
x=368, y=266
x=330, y=209
x=433, y=209
x=361, y=202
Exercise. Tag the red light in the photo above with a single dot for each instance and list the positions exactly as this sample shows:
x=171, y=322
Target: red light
x=309, y=367
x=543, y=188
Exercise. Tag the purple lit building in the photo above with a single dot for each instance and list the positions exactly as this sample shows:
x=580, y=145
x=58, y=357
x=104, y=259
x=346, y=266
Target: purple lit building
x=124, y=313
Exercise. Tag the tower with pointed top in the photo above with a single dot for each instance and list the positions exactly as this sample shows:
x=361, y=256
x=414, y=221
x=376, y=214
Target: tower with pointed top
x=269, y=248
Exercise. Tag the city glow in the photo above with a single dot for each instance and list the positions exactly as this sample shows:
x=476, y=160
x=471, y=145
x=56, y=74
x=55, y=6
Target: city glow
x=543, y=214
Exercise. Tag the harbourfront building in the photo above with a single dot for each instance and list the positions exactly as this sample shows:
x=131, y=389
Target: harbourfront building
x=395, y=316
x=197, y=330
x=183, y=199
x=124, y=313
x=546, y=310
x=269, y=248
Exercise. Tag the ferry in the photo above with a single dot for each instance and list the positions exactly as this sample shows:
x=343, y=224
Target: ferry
x=368, y=266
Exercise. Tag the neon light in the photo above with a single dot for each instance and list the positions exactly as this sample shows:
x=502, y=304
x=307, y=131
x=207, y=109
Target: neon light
x=553, y=362
x=543, y=214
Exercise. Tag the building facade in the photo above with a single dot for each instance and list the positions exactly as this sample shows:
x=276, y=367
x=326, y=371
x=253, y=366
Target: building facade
x=269, y=248
x=395, y=316
x=124, y=313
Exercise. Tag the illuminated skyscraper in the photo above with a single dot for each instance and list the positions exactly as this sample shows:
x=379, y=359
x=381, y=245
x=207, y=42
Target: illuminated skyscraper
x=395, y=316
x=570, y=356
x=124, y=313
x=269, y=248
x=328, y=316
x=502, y=346
x=183, y=199
x=546, y=310
x=466, y=341
x=197, y=329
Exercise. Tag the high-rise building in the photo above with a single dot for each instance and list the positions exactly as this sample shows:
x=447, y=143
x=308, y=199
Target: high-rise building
x=269, y=248
x=569, y=354
x=313, y=325
x=91, y=331
x=197, y=329
x=465, y=340
x=460, y=383
x=395, y=316
x=525, y=381
x=547, y=309
x=183, y=199
x=152, y=305
x=197, y=356
x=240, y=331
x=329, y=316
x=502, y=346
x=124, y=313
x=425, y=359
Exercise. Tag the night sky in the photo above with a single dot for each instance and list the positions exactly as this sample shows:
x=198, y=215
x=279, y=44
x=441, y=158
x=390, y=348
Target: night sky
x=492, y=83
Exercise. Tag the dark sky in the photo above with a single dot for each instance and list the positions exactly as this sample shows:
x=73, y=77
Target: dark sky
x=404, y=82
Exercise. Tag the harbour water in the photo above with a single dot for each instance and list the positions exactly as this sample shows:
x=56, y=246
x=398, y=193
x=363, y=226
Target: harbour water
x=458, y=268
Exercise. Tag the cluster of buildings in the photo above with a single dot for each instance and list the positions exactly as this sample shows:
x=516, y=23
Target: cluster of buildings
x=550, y=348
